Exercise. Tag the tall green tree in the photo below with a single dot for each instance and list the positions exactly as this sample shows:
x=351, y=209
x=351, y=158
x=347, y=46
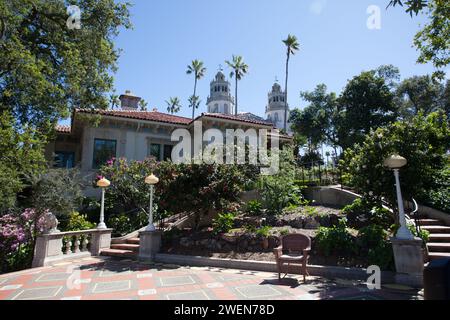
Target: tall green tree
x=21, y=156
x=292, y=46
x=433, y=41
x=173, y=105
x=47, y=67
x=240, y=68
x=421, y=94
x=367, y=102
x=198, y=70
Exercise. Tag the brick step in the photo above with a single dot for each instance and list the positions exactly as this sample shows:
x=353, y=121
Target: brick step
x=133, y=241
x=438, y=246
x=429, y=222
x=438, y=255
x=439, y=237
x=118, y=253
x=126, y=246
x=436, y=229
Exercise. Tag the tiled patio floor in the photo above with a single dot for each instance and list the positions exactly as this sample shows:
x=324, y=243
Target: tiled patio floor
x=99, y=279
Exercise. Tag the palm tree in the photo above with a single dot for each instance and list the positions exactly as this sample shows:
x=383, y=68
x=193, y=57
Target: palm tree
x=196, y=68
x=173, y=105
x=239, y=70
x=114, y=100
x=292, y=46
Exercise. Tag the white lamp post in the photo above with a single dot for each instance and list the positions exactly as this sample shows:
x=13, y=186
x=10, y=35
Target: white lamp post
x=395, y=162
x=103, y=184
x=151, y=180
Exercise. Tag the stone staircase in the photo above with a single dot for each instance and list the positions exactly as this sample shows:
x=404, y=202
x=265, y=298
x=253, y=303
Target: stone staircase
x=129, y=249
x=439, y=241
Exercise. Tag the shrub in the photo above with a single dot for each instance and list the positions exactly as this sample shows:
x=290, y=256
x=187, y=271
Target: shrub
x=374, y=242
x=336, y=240
x=423, y=141
x=281, y=190
x=223, y=223
x=284, y=232
x=124, y=224
x=78, y=222
x=205, y=186
x=362, y=213
x=254, y=208
x=423, y=234
x=264, y=231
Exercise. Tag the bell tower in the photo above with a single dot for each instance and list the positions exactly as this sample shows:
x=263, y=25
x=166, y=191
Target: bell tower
x=275, y=107
x=220, y=99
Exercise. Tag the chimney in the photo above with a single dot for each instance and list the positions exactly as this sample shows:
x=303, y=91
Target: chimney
x=129, y=101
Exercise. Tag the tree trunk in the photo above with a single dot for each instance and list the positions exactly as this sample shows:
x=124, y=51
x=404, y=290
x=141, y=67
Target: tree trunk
x=236, y=98
x=193, y=98
x=286, y=93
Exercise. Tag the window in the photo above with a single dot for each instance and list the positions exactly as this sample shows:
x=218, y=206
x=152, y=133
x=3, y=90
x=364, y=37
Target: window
x=167, y=152
x=155, y=151
x=64, y=159
x=225, y=108
x=104, y=150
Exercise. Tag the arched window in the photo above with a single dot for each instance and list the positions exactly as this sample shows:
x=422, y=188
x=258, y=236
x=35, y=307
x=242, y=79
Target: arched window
x=225, y=108
x=216, y=108
x=276, y=117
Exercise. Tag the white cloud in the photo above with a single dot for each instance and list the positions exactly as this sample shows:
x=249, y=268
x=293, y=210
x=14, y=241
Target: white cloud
x=317, y=6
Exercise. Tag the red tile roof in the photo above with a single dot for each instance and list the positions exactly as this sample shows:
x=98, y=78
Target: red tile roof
x=140, y=115
x=63, y=129
x=237, y=118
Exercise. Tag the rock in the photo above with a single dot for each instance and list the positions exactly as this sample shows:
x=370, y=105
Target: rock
x=205, y=242
x=311, y=223
x=218, y=246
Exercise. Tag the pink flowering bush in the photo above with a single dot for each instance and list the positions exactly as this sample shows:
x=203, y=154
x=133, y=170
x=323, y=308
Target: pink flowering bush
x=16, y=235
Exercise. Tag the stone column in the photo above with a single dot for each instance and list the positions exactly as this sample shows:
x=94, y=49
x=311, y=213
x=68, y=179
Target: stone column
x=409, y=261
x=101, y=239
x=149, y=245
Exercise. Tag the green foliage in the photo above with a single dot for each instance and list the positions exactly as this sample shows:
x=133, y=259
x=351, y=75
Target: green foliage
x=336, y=240
x=422, y=234
x=205, y=186
x=124, y=224
x=47, y=68
x=264, y=231
x=78, y=222
x=254, y=208
x=21, y=151
x=433, y=40
x=281, y=190
x=439, y=196
x=318, y=121
x=223, y=223
x=423, y=141
x=374, y=242
x=421, y=94
x=284, y=232
x=366, y=103
x=369, y=211
x=57, y=190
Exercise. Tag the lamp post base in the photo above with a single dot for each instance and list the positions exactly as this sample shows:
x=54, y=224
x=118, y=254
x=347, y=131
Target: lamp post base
x=403, y=233
x=150, y=227
x=101, y=226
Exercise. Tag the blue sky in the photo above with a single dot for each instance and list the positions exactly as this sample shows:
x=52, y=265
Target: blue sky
x=335, y=45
